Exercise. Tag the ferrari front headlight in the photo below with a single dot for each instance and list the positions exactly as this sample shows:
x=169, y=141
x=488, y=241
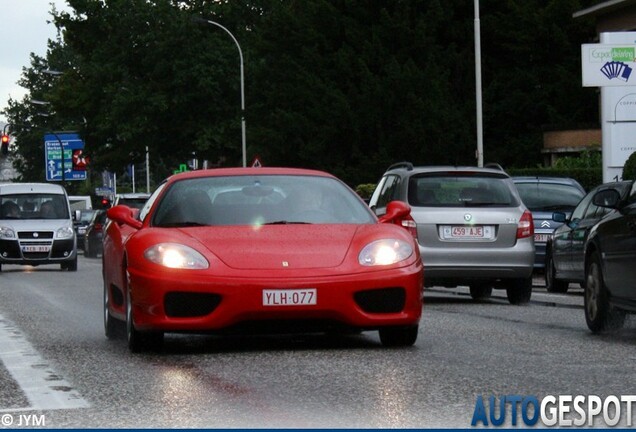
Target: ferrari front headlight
x=174, y=255
x=385, y=252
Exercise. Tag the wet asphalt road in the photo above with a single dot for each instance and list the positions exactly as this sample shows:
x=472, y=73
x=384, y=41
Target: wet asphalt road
x=59, y=370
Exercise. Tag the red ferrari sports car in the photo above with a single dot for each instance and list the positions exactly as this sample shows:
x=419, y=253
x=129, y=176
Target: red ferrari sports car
x=253, y=249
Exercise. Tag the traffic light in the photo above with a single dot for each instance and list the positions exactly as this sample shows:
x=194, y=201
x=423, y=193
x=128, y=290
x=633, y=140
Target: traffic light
x=106, y=203
x=5, y=144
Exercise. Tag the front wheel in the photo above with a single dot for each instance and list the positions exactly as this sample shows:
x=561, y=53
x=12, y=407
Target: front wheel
x=552, y=284
x=399, y=336
x=480, y=291
x=599, y=314
x=70, y=265
x=140, y=341
x=519, y=291
x=89, y=251
x=111, y=325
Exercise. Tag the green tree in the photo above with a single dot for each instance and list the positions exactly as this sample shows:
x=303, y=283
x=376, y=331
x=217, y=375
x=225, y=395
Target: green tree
x=629, y=169
x=531, y=55
x=348, y=87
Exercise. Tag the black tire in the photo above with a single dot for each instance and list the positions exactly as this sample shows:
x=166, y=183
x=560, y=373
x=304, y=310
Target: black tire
x=399, y=336
x=600, y=316
x=140, y=341
x=89, y=251
x=552, y=284
x=480, y=291
x=519, y=291
x=70, y=265
x=112, y=326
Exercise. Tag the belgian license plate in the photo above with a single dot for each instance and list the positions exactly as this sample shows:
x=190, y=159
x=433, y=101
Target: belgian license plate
x=541, y=238
x=468, y=232
x=290, y=297
x=36, y=248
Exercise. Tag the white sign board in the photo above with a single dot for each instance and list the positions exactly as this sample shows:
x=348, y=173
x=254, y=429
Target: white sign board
x=606, y=65
x=611, y=66
x=618, y=113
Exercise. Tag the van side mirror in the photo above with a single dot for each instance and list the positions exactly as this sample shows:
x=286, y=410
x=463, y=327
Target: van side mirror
x=77, y=215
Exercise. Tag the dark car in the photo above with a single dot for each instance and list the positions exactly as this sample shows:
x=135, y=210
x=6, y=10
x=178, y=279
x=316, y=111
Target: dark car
x=94, y=234
x=544, y=196
x=610, y=262
x=80, y=225
x=565, y=257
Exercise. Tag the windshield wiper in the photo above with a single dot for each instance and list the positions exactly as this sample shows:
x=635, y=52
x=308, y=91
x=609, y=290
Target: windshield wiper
x=182, y=224
x=284, y=222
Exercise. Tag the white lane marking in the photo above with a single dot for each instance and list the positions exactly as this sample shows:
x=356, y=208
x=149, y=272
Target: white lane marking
x=44, y=388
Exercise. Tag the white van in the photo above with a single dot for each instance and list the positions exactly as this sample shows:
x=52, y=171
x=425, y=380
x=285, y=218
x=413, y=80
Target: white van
x=36, y=225
x=80, y=202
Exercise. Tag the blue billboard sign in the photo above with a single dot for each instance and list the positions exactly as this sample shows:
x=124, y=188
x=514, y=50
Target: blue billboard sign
x=73, y=163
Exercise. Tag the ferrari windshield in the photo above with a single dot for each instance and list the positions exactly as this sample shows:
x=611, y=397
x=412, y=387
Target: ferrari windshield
x=259, y=200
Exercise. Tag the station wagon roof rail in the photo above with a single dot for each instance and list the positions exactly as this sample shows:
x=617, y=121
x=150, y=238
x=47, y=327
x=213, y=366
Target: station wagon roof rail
x=404, y=164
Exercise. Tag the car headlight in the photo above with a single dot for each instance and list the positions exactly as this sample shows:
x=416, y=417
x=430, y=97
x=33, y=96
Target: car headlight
x=384, y=252
x=174, y=255
x=64, y=233
x=7, y=233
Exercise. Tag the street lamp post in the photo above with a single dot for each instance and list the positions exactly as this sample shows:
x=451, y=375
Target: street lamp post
x=480, y=133
x=243, y=138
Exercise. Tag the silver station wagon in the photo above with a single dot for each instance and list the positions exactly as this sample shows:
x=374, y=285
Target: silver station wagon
x=471, y=225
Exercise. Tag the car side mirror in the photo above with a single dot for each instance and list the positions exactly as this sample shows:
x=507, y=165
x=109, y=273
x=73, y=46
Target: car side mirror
x=77, y=215
x=559, y=217
x=395, y=210
x=124, y=215
x=608, y=198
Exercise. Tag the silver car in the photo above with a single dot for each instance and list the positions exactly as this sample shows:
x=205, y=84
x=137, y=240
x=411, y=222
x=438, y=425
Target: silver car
x=471, y=225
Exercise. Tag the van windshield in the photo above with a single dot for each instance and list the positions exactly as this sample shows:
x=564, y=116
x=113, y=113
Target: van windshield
x=33, y=206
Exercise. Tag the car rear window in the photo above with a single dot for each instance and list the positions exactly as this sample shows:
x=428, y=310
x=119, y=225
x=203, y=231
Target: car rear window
x=460, y=190
x=549, y=196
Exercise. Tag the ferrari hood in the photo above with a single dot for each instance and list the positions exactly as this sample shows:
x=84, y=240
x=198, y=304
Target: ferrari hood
x=277, y=246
